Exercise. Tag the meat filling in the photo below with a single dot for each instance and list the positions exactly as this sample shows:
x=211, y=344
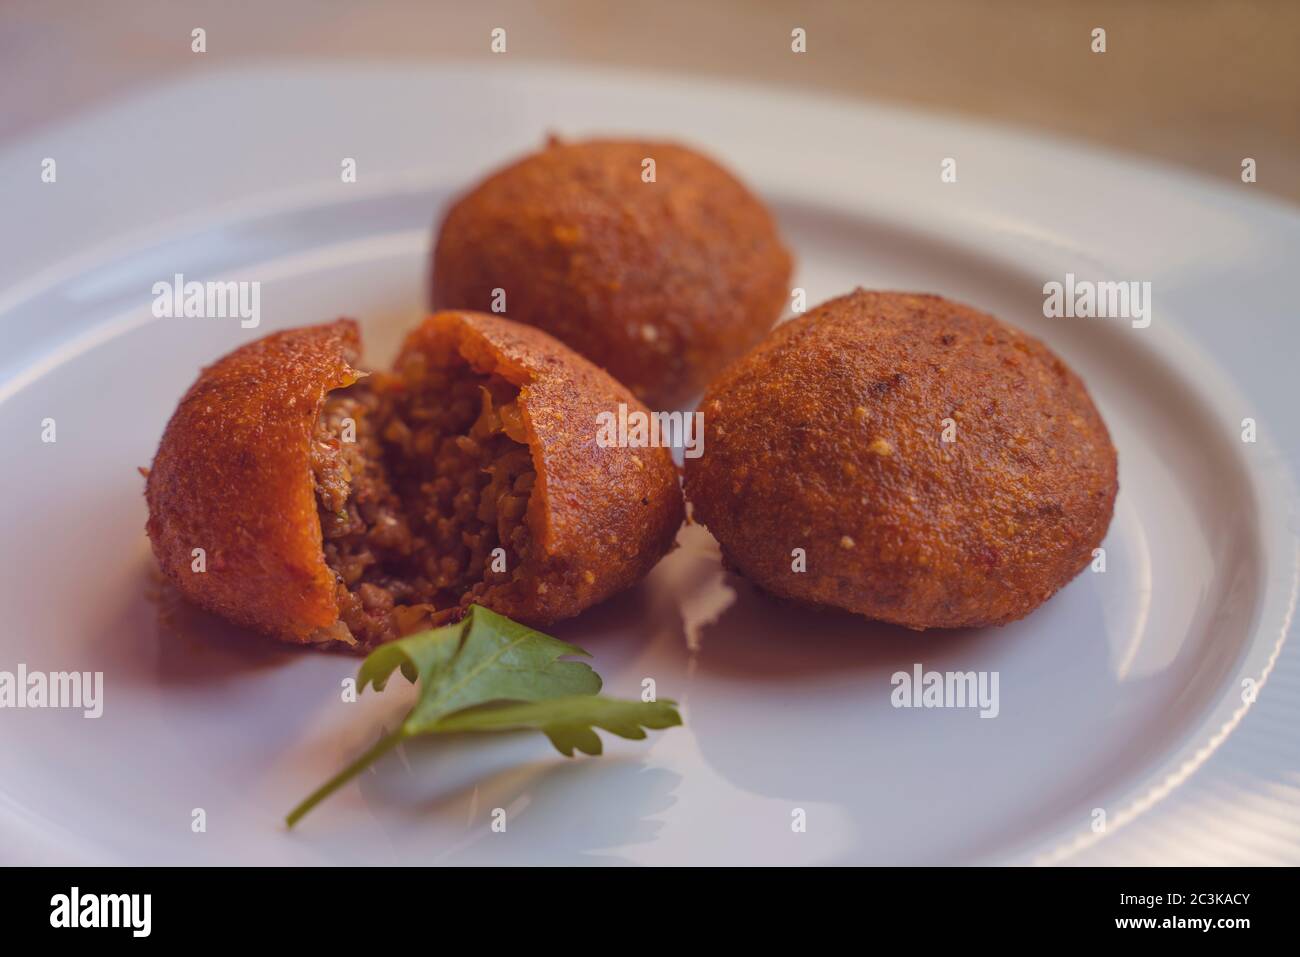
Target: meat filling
x=423, y=511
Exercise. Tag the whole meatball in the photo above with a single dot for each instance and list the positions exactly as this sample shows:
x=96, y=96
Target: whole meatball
x=661, y=283
x=938, y=468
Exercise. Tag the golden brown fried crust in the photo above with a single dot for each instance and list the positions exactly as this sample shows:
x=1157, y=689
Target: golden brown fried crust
x=829, y=437
x=232, y=477
x=601, y=517
x=661, y=283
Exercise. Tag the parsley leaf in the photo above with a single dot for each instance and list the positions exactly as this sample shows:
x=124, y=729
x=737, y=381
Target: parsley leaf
x=569, y=721
x=488, y=673
x=483, y=657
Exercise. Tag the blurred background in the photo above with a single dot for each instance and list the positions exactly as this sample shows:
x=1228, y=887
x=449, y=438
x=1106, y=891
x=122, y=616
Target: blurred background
x=1195, y=83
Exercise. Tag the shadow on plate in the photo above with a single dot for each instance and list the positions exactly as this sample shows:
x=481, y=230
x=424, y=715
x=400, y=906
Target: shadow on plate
x=762, y=637
x=517, y=779
x=192, y=646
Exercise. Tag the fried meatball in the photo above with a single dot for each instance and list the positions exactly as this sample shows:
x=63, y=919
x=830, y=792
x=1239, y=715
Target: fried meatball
x=345, y=509
x=661, y=283
x=938, y=468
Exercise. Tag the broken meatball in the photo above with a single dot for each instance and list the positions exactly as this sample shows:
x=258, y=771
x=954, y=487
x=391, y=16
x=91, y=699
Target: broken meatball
x=335, y=507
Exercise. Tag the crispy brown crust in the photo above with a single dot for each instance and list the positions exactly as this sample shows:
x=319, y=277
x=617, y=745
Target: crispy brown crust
x=660, y=283
x=232, y=477
x=602, y=517
x=828, y=437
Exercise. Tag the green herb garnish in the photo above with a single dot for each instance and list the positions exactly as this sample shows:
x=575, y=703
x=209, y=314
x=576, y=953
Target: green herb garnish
x=488, y=673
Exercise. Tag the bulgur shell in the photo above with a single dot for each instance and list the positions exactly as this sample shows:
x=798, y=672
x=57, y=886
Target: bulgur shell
x=232, y=475
x=603, y=517
x=662, y=283
x=832, y=436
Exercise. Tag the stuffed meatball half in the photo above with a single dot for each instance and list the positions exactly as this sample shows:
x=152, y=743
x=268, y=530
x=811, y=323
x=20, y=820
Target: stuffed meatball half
x=298, y=496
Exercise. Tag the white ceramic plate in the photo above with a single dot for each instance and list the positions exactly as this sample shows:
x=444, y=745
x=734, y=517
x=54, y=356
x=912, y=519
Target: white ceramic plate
x=1123, y=693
